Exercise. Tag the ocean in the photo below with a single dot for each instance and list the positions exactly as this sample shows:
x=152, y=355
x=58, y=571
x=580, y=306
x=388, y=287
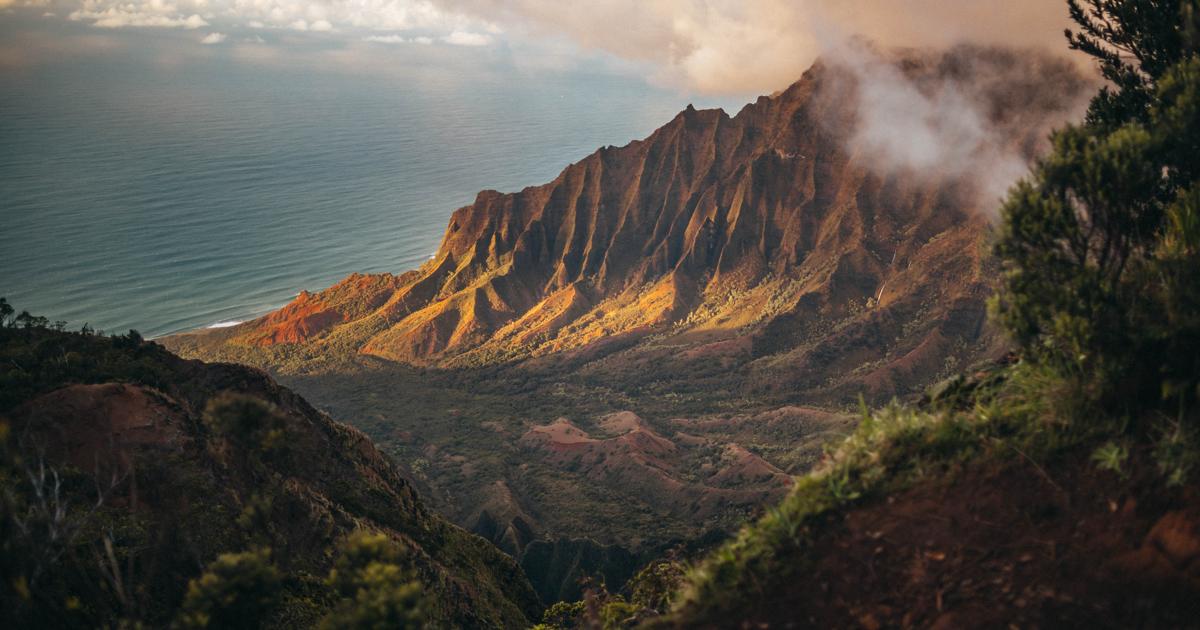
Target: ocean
x=163, y=199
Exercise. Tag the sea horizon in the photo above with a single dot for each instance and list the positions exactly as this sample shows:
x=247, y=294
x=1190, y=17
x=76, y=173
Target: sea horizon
x=135, y=203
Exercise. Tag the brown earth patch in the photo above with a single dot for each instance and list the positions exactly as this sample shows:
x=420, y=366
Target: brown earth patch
x=655, y=468
x=1000, y=545
x=90, y=424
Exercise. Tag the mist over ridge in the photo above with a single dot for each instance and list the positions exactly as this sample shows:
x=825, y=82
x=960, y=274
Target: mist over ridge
x=978, y=115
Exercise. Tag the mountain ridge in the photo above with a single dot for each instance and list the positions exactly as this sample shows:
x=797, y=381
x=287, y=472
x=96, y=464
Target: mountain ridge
x=768, y=225
x=703, y=279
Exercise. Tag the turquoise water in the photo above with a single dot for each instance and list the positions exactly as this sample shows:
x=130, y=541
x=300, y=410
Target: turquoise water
x=138, y=196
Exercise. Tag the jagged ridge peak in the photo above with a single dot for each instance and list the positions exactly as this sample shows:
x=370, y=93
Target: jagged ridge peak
x=758, y=223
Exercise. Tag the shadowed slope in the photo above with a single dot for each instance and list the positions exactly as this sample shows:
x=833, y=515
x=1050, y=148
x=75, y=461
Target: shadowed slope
x=132, y=422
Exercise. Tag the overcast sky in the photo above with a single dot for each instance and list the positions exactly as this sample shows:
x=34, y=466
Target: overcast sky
x=703, y=46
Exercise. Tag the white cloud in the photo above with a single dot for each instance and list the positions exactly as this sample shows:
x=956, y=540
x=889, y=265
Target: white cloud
x=938, y=118
x=465, y=38
x=398, y=39
x=213, y=38
x=387, y=39
x=150, y=14
x=6, y=4
x=123, y=18
x=353, y=16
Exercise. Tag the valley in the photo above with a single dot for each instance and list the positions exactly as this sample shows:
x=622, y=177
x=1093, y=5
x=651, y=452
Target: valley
x=912, y=342
x=729, y=288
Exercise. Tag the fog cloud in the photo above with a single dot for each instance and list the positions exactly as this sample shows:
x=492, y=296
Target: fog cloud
x=968, y=114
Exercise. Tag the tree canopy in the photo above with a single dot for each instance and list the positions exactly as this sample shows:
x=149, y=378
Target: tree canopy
x=1100, y=243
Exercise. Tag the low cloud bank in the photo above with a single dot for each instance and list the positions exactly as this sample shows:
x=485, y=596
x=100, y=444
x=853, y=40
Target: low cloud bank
x=759, y=46
x=974, y=115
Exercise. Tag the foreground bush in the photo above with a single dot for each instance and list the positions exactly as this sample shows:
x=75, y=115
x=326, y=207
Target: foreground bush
x=1101, y=244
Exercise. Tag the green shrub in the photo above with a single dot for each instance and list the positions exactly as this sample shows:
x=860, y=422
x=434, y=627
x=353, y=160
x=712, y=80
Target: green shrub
x=1177, y=452
x=377, y=590
x=618, y=613
x=564, y=614
x=654, y=587
x=238, y=590
x=1111, y=456
x=248, y=422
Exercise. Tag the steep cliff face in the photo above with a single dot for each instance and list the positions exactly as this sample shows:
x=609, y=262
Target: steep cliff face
x=767, y=241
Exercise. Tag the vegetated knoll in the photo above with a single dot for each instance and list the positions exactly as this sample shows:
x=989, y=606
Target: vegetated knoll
x=696, y=482
x=766, y=252
x=127, y=470
x=996, y=513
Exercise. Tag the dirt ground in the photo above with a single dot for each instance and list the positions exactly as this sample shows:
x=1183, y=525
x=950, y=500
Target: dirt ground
x=1009, y=544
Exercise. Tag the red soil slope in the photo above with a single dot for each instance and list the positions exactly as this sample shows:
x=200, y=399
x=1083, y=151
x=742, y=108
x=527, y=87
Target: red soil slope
x=998, y=545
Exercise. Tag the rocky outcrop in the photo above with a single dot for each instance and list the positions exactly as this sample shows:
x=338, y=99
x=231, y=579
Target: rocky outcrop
x=312, y=314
